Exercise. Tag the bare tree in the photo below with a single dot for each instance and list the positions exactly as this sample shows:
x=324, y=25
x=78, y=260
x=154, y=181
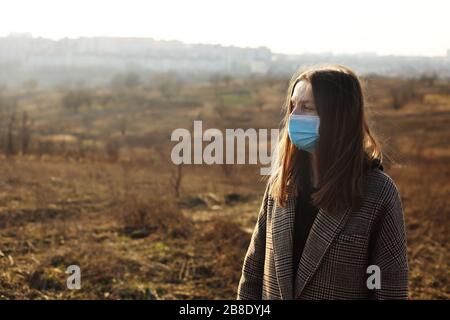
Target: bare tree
x=30, y=85
x=405, y=93
x=167, y=84
x=73, y=100
x=176, y=179
x=429, y=78
x=10, y=146
x=132, y=80
x=123, y=125
x=258, y=99
x=25, y=133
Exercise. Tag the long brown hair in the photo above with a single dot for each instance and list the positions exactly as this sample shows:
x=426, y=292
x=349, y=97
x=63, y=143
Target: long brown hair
x=345, y=148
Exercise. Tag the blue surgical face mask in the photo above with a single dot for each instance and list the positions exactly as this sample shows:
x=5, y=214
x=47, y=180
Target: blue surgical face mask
x=303, y=131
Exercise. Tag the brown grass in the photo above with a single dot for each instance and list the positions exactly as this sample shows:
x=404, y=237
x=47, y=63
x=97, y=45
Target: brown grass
x=111, y=207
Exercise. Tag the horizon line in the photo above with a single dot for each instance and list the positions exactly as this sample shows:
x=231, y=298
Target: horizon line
x=368, y=53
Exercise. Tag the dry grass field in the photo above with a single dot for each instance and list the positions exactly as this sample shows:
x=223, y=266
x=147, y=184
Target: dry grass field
x=86, y=179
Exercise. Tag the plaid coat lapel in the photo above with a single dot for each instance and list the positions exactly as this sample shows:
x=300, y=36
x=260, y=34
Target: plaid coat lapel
x=323, y=231
x=282, y=237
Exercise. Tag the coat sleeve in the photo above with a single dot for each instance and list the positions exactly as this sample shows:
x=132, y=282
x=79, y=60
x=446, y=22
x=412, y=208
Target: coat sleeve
x=389, y=250
x=250, y=284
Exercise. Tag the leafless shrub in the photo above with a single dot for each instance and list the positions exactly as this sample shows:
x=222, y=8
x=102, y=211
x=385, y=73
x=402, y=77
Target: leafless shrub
x=112, y=148
x=404, y=94
x=141, y=217
x=75, y=99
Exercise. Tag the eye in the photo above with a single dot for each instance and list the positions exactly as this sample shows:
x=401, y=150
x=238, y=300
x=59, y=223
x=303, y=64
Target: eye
x=294, y=105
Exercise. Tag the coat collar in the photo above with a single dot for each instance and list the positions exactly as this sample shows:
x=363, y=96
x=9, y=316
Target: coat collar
x=322, y=233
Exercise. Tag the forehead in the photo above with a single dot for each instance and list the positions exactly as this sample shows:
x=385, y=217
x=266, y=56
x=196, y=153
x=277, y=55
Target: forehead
x=302, y=92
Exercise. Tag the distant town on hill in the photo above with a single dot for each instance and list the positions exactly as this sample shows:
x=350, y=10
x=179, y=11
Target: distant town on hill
x=92, y=61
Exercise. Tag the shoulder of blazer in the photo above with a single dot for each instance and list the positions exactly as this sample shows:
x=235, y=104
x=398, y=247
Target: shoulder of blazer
x=383, y=188
x=380, y=182
x=380, y=179
x=380, y=193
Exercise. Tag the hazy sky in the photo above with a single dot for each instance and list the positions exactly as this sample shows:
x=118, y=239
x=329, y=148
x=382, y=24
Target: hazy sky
x=345, y=26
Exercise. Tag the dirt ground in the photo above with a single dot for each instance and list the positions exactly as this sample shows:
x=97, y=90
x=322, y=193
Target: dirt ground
x=114, y=214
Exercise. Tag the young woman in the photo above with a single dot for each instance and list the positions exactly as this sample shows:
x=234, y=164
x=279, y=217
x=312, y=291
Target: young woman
x=331, y=222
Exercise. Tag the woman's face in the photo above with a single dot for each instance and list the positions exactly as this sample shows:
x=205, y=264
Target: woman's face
x=302, y=99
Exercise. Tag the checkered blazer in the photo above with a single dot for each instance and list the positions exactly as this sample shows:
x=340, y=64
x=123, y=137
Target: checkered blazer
x=337, y=252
